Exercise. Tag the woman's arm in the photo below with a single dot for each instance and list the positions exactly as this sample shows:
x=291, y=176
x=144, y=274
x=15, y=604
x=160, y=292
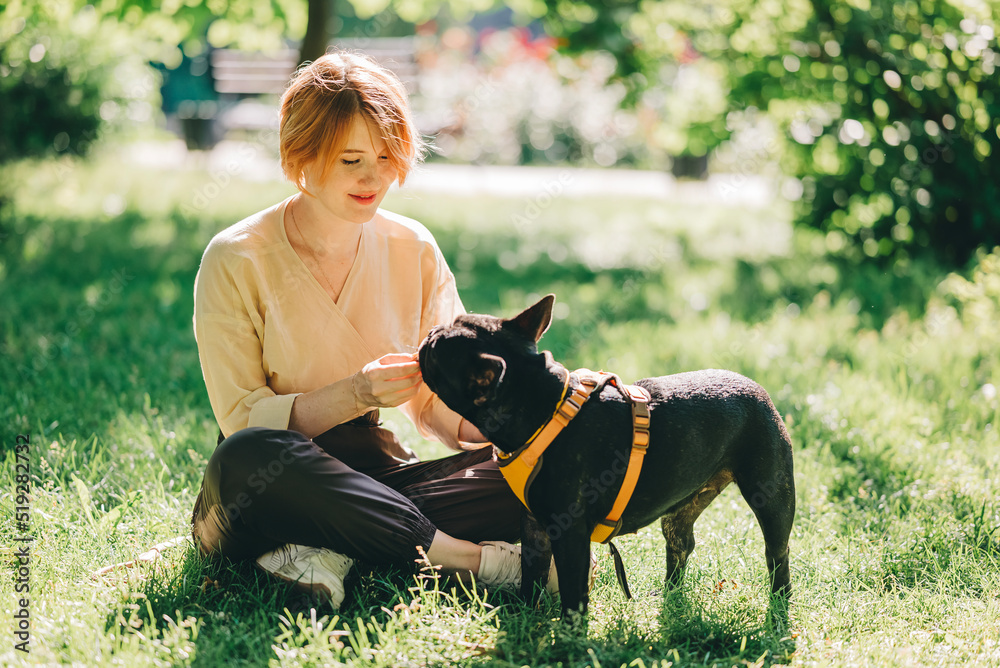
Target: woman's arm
x=388, y=381
x=468, y=433
x=230, y=350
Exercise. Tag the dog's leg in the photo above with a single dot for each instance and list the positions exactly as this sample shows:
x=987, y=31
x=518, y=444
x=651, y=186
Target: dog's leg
x=536, y=554
x=678, y=531
x=572, y=555
x=678, y=526
x=768, y=486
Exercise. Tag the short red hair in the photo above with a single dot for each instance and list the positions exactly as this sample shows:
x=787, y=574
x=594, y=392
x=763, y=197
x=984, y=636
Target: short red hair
x=323, y=99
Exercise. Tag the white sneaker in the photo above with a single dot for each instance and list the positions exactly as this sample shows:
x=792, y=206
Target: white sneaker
x=500, y=564
x=316, y=570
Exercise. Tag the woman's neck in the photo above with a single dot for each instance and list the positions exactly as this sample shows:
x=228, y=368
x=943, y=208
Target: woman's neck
x=320, y=231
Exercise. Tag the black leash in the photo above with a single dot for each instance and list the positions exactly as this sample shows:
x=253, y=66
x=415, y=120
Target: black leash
x=620, y=570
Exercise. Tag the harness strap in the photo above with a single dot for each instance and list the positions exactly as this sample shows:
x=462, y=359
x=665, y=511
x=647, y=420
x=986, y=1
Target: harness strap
x=566, y=411
x=531, y=439
x=519, y=468
x=609, y=527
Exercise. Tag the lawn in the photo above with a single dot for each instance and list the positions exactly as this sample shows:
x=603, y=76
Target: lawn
x=887, y=381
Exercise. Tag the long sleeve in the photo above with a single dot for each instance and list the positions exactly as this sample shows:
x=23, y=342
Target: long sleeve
x=230, y=351
x=442, y=304
x=267, y=331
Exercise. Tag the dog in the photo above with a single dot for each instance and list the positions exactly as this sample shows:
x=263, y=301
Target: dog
x=706, y=429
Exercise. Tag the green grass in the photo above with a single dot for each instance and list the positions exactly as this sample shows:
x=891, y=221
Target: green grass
x=884, y=379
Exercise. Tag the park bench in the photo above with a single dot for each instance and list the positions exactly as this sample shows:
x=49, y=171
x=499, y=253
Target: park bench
x=247, y=81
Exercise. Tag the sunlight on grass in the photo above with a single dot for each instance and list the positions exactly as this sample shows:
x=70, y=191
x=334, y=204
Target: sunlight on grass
x=887, y=383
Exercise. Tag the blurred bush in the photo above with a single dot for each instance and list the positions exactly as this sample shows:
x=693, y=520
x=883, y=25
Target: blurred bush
x=518, y=101
x=977, y=300
x=44, y=105
x=890, y=109
x=64, y=72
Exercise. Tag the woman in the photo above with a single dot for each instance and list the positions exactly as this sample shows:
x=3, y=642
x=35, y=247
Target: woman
x=307, y=317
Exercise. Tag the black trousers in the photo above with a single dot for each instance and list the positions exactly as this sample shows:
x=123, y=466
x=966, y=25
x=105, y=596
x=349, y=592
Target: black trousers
x=353, y=489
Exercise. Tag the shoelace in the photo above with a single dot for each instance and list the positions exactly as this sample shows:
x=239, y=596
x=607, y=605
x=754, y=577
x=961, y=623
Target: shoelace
x=507, y=565
x=282, y=556
x=286, y=555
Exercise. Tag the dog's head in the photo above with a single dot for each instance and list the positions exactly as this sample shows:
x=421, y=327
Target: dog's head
x=474, y=362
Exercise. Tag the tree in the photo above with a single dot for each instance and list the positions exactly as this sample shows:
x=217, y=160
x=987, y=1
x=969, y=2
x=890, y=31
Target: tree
x=317, y=31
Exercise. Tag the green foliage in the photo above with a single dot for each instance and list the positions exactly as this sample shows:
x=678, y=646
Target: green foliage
x=896, y=113
x=591, y=26
x=656, y=66
x=70, y=70
x=891, y=109
x=978, y=300
x=896, y=543
x=50, y=99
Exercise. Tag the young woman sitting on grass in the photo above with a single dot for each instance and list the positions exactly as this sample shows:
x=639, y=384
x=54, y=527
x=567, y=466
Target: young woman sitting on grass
x=307, y=317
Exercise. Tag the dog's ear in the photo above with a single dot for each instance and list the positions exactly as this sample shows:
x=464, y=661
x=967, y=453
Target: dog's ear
x=487, y=372
x=534, y=320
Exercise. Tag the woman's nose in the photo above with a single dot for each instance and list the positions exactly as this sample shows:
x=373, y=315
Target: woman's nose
x=370, y=177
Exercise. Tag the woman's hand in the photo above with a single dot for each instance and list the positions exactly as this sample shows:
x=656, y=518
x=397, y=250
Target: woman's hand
x=388, y=381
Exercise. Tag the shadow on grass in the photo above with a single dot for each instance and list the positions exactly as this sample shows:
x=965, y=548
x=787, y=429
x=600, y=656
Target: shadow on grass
x=241, y=612
x=684, y=633
x=236, y=612
x=103, y=319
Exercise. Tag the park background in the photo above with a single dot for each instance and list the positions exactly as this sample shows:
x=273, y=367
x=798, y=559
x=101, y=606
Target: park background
x=803, y=192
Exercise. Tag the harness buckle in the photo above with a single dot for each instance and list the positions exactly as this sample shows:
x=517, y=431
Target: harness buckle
x=640, y=416
x=570, y=407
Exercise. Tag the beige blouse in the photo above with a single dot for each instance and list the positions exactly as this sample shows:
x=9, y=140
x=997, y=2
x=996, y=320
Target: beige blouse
x=268, y=331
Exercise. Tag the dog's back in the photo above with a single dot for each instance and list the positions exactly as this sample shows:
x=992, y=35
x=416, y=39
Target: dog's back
x=706, y=425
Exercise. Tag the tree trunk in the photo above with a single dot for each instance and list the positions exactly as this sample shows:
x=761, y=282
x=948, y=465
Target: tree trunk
x=317, y=25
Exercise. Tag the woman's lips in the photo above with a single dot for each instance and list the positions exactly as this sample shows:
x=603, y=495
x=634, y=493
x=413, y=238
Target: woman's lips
x=364, y=199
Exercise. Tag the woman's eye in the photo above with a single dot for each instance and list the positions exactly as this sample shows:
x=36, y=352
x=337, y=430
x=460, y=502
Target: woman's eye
x=383, y=157
x=351, y=162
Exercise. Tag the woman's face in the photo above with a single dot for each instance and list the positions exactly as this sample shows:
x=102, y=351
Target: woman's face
x=359, y=177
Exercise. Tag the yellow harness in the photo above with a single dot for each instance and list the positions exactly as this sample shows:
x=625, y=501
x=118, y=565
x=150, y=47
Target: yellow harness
x=520, y=468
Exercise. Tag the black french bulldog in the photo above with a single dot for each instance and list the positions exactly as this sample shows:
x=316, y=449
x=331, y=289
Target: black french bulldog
x=708, y=428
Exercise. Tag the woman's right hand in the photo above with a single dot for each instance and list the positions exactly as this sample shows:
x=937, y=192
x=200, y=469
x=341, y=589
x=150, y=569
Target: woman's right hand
x=390, y=380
